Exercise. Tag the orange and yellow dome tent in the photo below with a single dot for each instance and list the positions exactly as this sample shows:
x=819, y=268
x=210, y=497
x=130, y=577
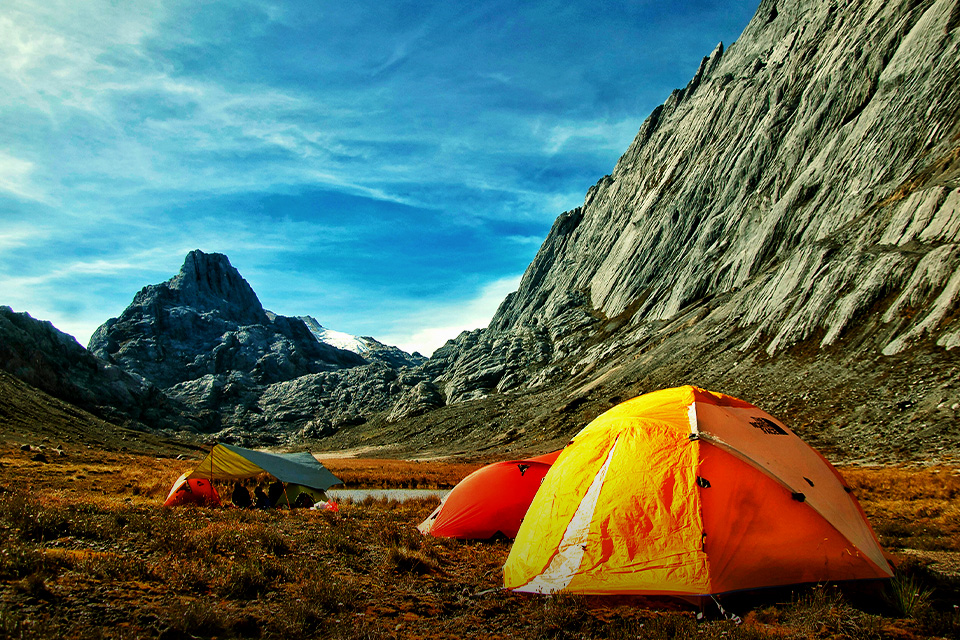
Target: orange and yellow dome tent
x=686, y=492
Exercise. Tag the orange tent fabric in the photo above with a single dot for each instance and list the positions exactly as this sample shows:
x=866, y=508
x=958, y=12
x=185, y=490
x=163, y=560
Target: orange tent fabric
x=491, y=500
x=687, y=492
x=192, y=491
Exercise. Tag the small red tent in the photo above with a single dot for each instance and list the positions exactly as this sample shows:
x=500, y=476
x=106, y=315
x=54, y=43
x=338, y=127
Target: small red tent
x=192, y=491
x=491, y=500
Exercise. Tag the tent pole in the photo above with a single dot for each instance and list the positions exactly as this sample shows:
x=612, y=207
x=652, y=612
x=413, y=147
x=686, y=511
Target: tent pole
x=211, y=465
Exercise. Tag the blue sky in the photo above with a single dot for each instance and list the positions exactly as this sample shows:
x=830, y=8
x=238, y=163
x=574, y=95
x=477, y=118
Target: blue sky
x=389, y=168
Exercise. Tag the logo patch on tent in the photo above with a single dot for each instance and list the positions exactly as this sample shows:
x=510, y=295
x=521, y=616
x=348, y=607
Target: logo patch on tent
x=767, y=426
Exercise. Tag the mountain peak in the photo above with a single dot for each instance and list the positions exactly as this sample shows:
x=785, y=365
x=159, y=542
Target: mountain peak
x=208, y=282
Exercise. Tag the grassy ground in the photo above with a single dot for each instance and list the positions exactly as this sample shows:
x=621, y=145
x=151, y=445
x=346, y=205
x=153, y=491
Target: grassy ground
x=86, y=551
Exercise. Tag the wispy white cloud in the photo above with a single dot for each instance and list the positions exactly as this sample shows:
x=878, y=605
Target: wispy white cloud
x=19, y=236
x=450, y=137
x=430, y=328
x=589, y=134
x=15, y=178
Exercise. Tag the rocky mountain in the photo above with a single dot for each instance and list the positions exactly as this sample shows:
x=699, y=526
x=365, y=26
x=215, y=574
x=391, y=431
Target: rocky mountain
x=247, y=374
x=53, y=362
x=370, y=348
x=784, y=228
x=207, y=321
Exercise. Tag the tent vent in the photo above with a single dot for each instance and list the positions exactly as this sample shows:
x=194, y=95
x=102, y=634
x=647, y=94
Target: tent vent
x=703, y=483
x=799, y=497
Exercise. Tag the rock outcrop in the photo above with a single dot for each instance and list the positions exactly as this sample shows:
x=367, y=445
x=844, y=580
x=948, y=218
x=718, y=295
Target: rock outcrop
x=39, y=354
x=802, y=191
x=248, y=375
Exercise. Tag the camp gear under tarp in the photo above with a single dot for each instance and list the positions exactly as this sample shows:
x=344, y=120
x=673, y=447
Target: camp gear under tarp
x=491, y=500
x=197, y=491
x=229, y=462
x=690, y=493
x=300, y=496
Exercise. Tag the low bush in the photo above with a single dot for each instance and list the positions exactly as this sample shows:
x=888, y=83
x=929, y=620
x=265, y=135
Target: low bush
x=203, y=617
x=319, y=598
x=19, y=559
x=111, y=567
x=823, y=611
x=238, y=539
x=405, y=560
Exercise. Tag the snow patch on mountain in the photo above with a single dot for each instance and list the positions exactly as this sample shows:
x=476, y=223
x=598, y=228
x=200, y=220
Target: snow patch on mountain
x=337, y=339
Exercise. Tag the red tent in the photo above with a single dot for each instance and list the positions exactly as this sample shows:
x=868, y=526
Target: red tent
x=192, y=491
x=491, y=500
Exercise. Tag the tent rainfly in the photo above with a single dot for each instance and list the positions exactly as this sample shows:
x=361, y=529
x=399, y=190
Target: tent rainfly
x=229, y=462
x=690, y=493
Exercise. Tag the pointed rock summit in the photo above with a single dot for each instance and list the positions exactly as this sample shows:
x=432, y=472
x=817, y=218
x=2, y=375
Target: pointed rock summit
x=208, y=283
x=248, y=375
x=207, y=321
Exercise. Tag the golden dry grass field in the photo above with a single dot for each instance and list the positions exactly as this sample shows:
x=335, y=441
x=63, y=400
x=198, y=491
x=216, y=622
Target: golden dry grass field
x=89, y=552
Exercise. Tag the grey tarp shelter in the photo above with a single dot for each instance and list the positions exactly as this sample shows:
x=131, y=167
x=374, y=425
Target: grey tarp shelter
x=230, y=462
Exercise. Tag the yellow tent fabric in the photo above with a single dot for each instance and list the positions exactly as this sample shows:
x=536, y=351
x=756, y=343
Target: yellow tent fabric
x=688, y=492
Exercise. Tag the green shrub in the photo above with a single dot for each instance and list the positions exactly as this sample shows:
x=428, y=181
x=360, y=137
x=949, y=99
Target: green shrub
x=316, y=598
x=907, y=596
x=39, y=521
x=250, y=577
x=190, y=576
x=342, y=540
x=111, y=566
x=824, y=611
x=239, y=540
x=199, y=618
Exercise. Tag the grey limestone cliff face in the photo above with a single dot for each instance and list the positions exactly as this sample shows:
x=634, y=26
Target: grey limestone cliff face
x=805, y=185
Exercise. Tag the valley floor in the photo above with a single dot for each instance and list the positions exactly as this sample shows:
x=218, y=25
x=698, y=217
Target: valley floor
x=88, y=552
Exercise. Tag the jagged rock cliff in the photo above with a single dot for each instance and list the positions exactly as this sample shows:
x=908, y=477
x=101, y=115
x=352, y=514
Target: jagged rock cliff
x=801, y=192
x=247, y=374
x=207, y=320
